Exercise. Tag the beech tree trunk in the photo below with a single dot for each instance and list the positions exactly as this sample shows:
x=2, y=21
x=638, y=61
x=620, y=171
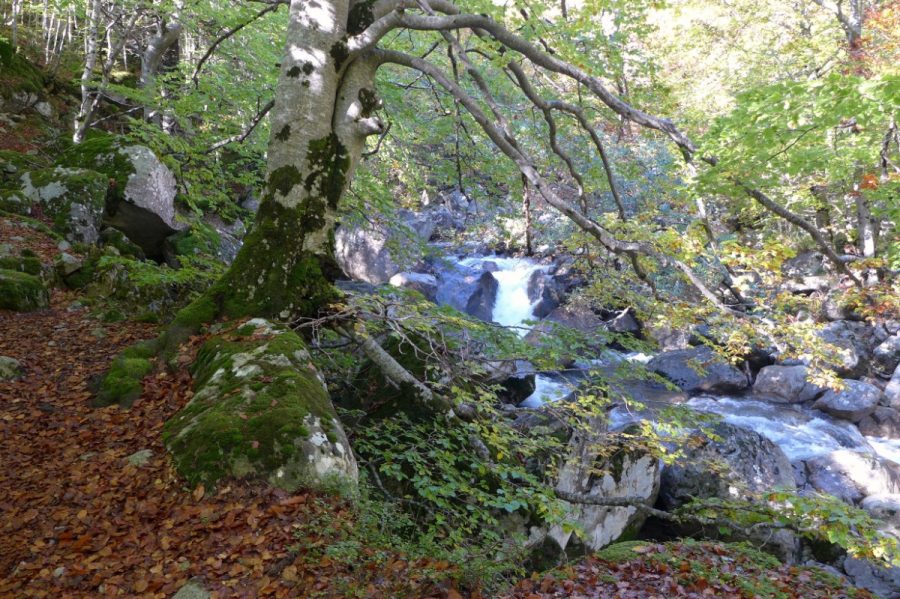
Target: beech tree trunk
x=323, y=112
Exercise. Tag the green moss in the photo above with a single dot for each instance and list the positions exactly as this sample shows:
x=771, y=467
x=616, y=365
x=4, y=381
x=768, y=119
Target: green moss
x=360, y=17
x=26, y=264
x=103, y=153
x=111, y=237
x=123, y=384
x=340, y=53
x=74, y=198
x=255, y=398
x=22, y=292
x=284, y=134
x=16, y=73
x=283, y=179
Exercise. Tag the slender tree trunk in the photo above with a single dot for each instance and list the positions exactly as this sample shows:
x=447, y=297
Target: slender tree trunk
x=526, y=210
x=90, y=62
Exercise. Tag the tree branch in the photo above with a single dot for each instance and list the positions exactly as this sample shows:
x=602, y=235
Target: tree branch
x=240, y=137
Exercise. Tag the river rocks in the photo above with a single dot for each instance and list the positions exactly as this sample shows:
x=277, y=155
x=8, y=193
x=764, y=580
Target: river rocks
x=886, y=356
x=481, y=302
x=371, y=253
x=10, y=369
x=629, y=473
x=260, y=410
x=850, y=476
x=424, y=283
x=698, y=369
x=740, y=466
x=786, y=384
x=73, y=198
x=854, y=402
x=22, y=292
x=885, y=508
x=141, y=191
x=883, y=422
x=892, y=390
x=543, y=293
x=849, y=341
x=880, y=580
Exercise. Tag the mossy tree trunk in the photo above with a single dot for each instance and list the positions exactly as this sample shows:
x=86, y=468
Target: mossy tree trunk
x=323, y=112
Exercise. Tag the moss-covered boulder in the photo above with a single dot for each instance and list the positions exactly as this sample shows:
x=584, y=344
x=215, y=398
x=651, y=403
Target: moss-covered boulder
x=73, y=197
x=123, y=384
x=15, y=202
x=22, y=292
x=141, y=193
x=27, y=264
x=261, y=410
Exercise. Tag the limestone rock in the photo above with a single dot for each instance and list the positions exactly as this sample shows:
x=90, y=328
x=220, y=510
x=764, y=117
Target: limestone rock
x=73, y=197
x=276, y=422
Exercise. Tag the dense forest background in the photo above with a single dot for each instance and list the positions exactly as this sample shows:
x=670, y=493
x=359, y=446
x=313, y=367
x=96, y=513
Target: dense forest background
x=431, y=298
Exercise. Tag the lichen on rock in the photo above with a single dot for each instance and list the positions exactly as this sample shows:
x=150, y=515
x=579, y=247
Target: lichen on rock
x=73, y=197
x=260, y=410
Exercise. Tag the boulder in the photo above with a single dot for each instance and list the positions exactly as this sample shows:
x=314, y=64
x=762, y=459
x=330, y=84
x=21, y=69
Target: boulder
x=698, y=369
x=260, y=410
x=886, y=356
x=22, y=292
x=15, y=202
x=628, y=473
x=880, y=580
x=892, y=390
x=543, y=293
x=624, y=322
x=804, y=264
x=481, y=302
x=786, y=384
x=372, y=252
x=886, y=508
x=883, y=422
x=424, y=283
x=10, y=368
x=850, y=343
x=446, y=223
x=141, y=191
x=850, y=476
x=854, y=402
x=741, y=465
x=74, y=198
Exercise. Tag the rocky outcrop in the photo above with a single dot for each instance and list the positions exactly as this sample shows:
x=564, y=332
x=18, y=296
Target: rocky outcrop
x=375, y=252
x=740, y=465
x=854, y=402
x=698, y=369
x=481, y=302
x=786, y=384
x=260, y=410
x=73, y=198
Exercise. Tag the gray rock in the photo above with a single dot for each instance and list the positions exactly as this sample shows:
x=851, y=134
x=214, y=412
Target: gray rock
x=885, y=508
x=850, y=475
x=886, y=356
x=73, y=197
x=850, y=343
x=372, y=253
x=45, y=110
x=804, y=264
x=192, y=589
x=542, y=291
x=10, y=368
x=854, y=402
x=786, y=384
x=698, y=369
x=892, y=390
x=883, y=422
x=481, y=302
x=624, y=322
x=627, y=474
x=424, y=283
x=668, y=339
x=808, y=284
x=741, y=465
x=446, y=223
x=67, y=264
x=140, y=458
x=880, y=580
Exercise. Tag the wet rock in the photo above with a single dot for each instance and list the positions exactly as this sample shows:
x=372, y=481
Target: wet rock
x=481, y=302
x=424, y=283
x=542, y=291
x=883, y=422
x=787, y=384
x=741, y=465
x=854, y=402
x=850, y=476
x=886, y=356
x=885, y=508
x=698, y=369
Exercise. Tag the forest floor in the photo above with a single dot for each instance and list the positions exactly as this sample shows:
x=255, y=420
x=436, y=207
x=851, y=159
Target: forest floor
x=91, y=506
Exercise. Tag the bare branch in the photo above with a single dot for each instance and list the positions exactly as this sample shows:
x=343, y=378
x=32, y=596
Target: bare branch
x=240, y=137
